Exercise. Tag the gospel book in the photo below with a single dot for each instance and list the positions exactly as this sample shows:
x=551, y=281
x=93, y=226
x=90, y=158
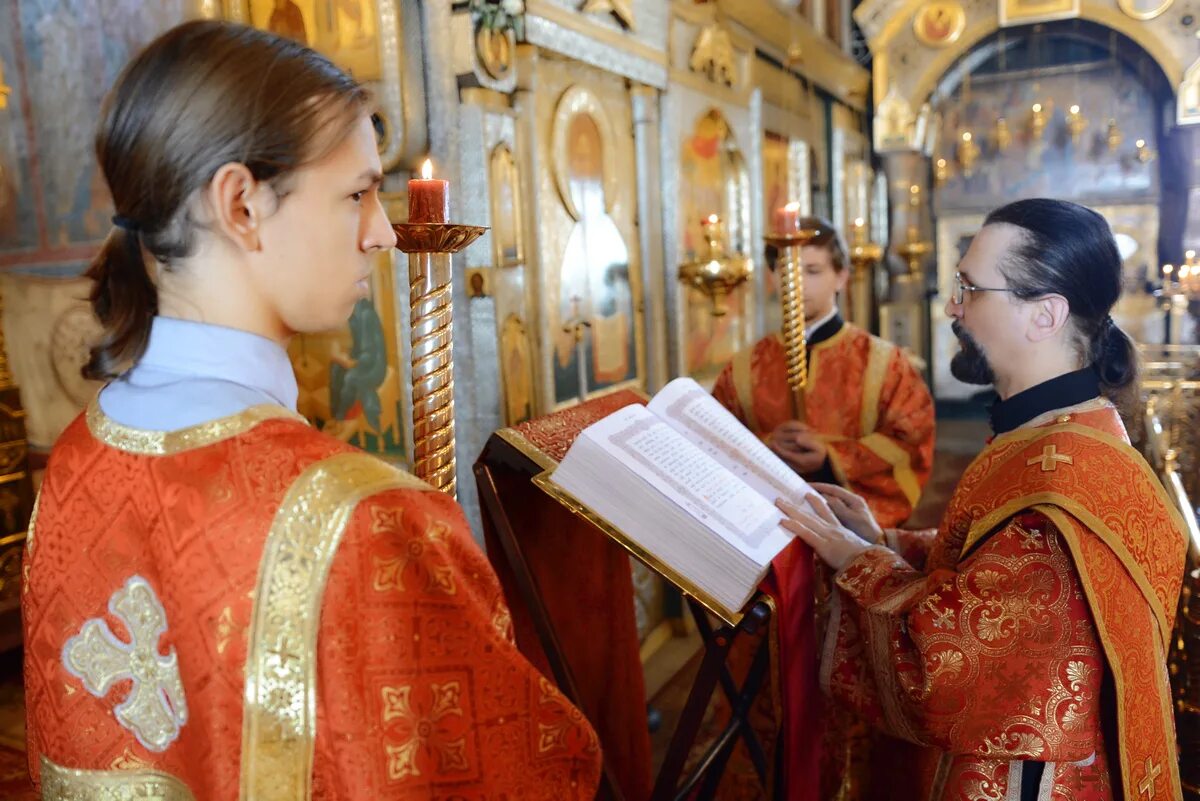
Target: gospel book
x=684, y=484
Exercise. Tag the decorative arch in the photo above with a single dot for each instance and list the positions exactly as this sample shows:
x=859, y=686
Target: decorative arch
x=982, y=21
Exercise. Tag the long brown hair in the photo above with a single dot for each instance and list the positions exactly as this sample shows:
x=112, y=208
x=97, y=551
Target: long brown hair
x=202, y=95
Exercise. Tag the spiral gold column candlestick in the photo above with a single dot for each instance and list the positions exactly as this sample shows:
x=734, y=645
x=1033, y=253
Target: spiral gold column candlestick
x=429, y=246
x=791, y=296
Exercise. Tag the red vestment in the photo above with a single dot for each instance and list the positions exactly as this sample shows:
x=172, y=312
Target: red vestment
x=249, y=608
x=873, y=411
x=1053, y=577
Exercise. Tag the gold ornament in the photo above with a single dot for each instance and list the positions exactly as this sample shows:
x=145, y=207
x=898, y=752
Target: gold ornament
x=1114, y=137
x=968, y=153
x=1001, y=135
x=1076, y=123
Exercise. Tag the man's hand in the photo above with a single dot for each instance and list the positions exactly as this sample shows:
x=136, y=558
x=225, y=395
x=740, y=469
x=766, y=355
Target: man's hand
x=798, y=445
x=851, y=511
x=819, y=527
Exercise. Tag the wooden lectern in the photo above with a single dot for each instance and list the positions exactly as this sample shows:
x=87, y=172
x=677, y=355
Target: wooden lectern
x=569, y=586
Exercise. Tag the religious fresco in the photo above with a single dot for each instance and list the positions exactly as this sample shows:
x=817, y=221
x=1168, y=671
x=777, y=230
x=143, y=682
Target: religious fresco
x=345, y=30
x=516, y=367
x=505, y=193
x=713, y=179
x=350, y=379
x=1020, y=159
x=594, y=331
x=59, y=60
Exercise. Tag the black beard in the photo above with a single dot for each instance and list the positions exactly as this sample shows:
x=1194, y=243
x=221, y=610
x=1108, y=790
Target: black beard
x=970, y=365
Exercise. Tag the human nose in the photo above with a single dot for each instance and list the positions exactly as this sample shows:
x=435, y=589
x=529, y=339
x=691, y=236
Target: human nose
x=378, y=233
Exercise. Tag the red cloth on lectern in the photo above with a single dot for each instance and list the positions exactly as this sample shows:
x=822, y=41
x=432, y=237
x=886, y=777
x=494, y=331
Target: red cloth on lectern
x=586, y=585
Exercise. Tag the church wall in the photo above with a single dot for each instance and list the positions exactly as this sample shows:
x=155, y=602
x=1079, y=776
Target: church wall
x=483, y=104
x=1101, y=168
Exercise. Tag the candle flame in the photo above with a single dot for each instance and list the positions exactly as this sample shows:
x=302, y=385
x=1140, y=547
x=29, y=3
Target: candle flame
x=793, y=206
x=713, y=219
x=1037, y=107
x=1140, y=143
x=1074, y=109
x=1168, y=269
x=859, y=222
x=427, y=169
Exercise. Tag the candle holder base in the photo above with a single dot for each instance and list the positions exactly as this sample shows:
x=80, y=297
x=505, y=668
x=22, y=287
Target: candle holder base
x=435, y=237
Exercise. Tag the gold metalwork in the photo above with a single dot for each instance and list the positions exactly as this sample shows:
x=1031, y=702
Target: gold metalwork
x=715, y=271
x=712, y=56
x=941, y=171
x=279, y=723
x=1113, y=136
x=6, y=376
x=968, y=153
x=1144, y=153
x=863, y=256
x=1076, y=123
x=155, y=709
x=621, y=9
x=5, y=90
x=70, y=784
x=1037, y=122
x=165, y=443
x=496, y=51
x=1130, y=7
x=939, y=23
x=791, y=297
x=1026, y=12
x=429, y=246
x=1001, y=136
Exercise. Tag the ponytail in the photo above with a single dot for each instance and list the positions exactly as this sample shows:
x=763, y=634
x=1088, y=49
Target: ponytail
x=125, y=301
x=1115, y=360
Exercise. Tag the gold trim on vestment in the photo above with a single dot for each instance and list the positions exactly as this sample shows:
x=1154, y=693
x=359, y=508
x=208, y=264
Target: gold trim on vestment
x=886, y=449
x=878, y=357
x=37, y=498
x=145, y=442
x=1070, y=534
x=279, y=725
x=69, y=784
x=989, y=521
x=743, y=387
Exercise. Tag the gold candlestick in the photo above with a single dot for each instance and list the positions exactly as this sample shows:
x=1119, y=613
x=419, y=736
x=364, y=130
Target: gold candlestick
x=863, y=256
x=429, y=246
x=791, y=296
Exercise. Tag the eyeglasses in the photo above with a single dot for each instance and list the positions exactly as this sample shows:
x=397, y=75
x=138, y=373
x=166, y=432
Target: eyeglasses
x=961, y=288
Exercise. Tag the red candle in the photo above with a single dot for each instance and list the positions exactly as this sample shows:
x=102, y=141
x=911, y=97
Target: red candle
x=787, y=218
x=428, y=197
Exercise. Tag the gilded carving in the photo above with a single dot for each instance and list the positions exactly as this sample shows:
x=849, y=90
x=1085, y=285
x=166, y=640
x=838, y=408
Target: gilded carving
x=939, y=23
x=363, y=38
x=621, y=9
x=1187, y=109
x=712, y=56
x=1144, y=9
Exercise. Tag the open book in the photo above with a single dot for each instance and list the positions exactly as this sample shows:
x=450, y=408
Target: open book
x=689, y=485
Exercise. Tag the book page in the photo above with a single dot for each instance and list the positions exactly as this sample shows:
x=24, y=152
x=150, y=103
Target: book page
x=692, y=479
x=697, y=415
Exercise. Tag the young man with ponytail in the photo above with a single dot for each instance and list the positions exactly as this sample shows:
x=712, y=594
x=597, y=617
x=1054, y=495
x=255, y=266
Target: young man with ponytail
x=1024, y=642
x=221, y=602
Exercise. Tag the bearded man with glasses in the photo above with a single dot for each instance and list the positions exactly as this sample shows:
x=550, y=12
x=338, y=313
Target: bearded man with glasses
x=1024, y=642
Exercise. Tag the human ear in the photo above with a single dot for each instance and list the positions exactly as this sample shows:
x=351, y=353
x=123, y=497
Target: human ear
x=238, y=205
x=1049, y=317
